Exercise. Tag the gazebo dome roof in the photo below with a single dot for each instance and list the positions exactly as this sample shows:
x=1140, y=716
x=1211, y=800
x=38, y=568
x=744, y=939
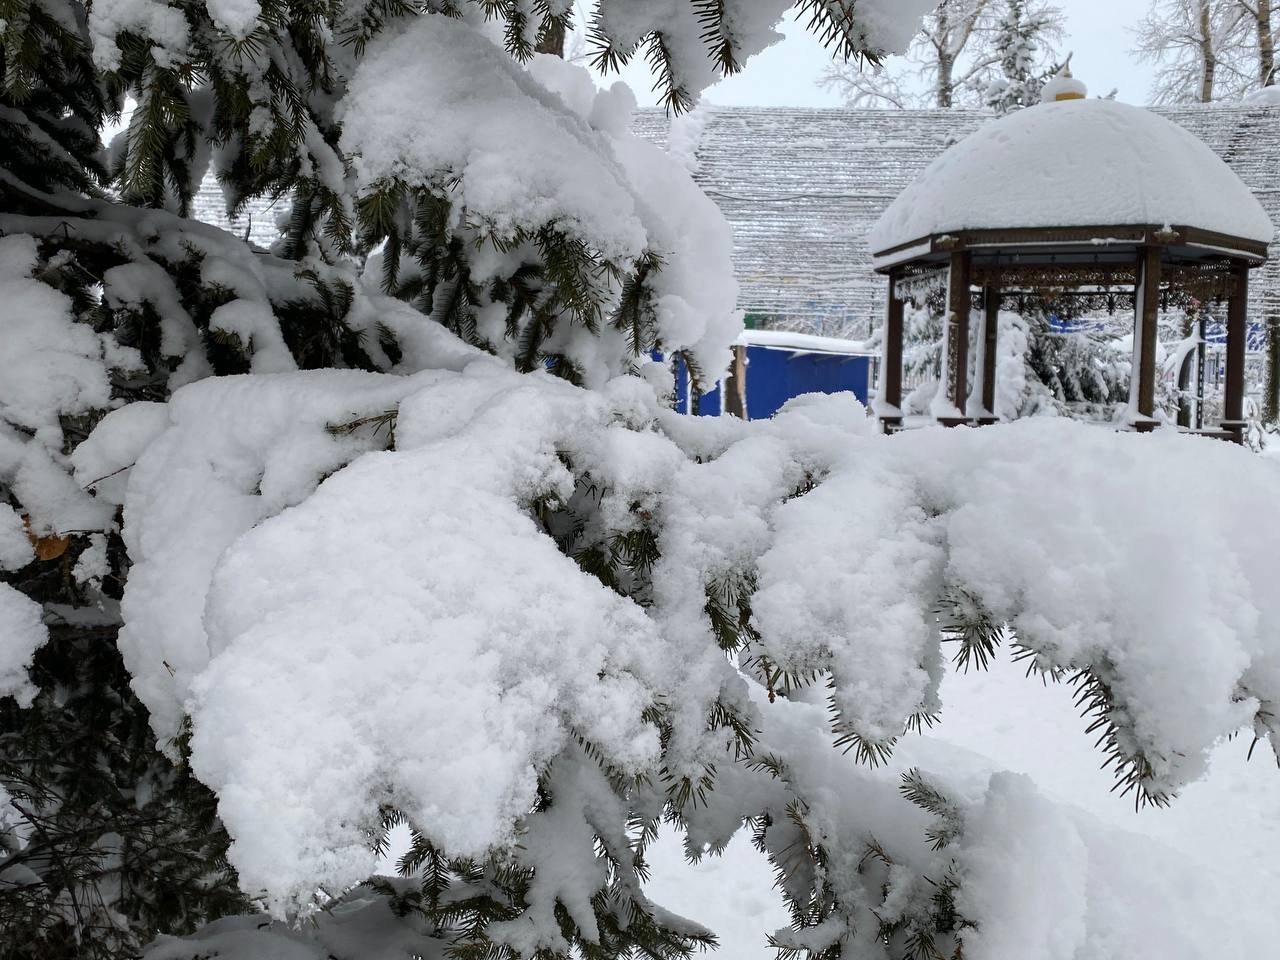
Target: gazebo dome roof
x=1074, y=163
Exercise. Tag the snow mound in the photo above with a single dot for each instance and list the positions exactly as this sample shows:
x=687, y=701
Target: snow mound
x=1266, y=97
x=478, y=644
x=1074, y=163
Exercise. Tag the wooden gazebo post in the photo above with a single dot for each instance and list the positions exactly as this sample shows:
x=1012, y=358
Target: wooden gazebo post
x=1145, y=338
x=889, y=398
x=734, y=388
x=986, y=386
x=1237, y=331
x=959, y=305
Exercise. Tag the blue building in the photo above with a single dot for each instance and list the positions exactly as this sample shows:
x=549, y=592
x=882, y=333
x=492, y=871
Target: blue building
x=772, y=366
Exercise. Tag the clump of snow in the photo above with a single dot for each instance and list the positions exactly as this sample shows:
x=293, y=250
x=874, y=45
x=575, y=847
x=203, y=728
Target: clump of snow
x=233, y=451
x=52, y=364
x=521, y=159
x=91, y=566
x=255, y=326
x=522, y=150
x=890, y=25
x=15, y=547
x=22, y=633
x=684, y=136
x=1074, y=163
x=21, y=630
x=102, y=460
x=1027, y=876
x=143, y=281
x=517, y=645
x=163, y=25
x=1100, y=581
x=695, y=296
x=237, y=17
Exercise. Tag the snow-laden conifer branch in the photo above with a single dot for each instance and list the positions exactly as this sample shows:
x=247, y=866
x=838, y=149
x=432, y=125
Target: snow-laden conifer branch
x=394, y=526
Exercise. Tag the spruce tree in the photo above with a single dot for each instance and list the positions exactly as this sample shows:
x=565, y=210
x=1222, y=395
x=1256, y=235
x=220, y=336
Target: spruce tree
x=392, y=524
x=106, y=839
x=1020, y=46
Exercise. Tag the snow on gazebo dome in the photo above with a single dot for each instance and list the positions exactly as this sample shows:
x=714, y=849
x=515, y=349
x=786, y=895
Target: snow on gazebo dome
x=1074, y=163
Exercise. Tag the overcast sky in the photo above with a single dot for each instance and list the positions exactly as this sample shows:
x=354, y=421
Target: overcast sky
x=1098, y=31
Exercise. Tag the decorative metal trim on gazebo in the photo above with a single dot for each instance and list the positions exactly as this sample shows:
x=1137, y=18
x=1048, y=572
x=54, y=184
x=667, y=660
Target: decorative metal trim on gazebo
x=1004, y=260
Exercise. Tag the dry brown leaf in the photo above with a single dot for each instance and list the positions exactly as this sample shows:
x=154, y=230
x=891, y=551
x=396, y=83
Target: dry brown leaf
x=47, y=548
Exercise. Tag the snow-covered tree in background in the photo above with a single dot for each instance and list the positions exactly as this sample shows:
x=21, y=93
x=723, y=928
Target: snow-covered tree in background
x=393, y=524
x=1259, y=14
x=1212, y=51
x=1051, y=359
x=958, y=54
x=1203, y=50
x=1020, y=34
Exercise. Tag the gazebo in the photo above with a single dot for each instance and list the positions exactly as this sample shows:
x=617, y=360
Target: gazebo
x=1074, y=194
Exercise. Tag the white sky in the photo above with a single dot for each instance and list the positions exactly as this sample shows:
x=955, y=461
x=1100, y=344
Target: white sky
x=1098, y=31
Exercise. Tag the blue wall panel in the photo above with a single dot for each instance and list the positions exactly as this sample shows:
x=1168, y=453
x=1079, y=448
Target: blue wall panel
x=774, y=376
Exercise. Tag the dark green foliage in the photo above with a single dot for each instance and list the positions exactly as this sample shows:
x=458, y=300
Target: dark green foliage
x=462, y=897
x=948, y=821
x=924, y=924
x=117, y=841
x=1082, y=370
x=963, y=621
x=51, y=107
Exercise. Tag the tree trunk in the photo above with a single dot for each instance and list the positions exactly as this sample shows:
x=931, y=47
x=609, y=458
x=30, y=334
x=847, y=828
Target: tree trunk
x=553, y=40
x=1271, y=387
x=946, y=65
x=1266, y=45
x=1208, y=56
x=946, y=59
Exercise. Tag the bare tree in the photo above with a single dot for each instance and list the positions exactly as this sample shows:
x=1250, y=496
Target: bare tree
x=873, y=86
x=950, y=63
x=1259, y=14
x=1202, y=49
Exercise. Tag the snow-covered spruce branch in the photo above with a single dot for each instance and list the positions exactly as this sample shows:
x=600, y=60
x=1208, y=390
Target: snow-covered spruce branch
x=360, y=570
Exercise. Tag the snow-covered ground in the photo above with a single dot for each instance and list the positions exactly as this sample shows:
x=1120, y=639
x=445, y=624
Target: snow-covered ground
x=1230, y=819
